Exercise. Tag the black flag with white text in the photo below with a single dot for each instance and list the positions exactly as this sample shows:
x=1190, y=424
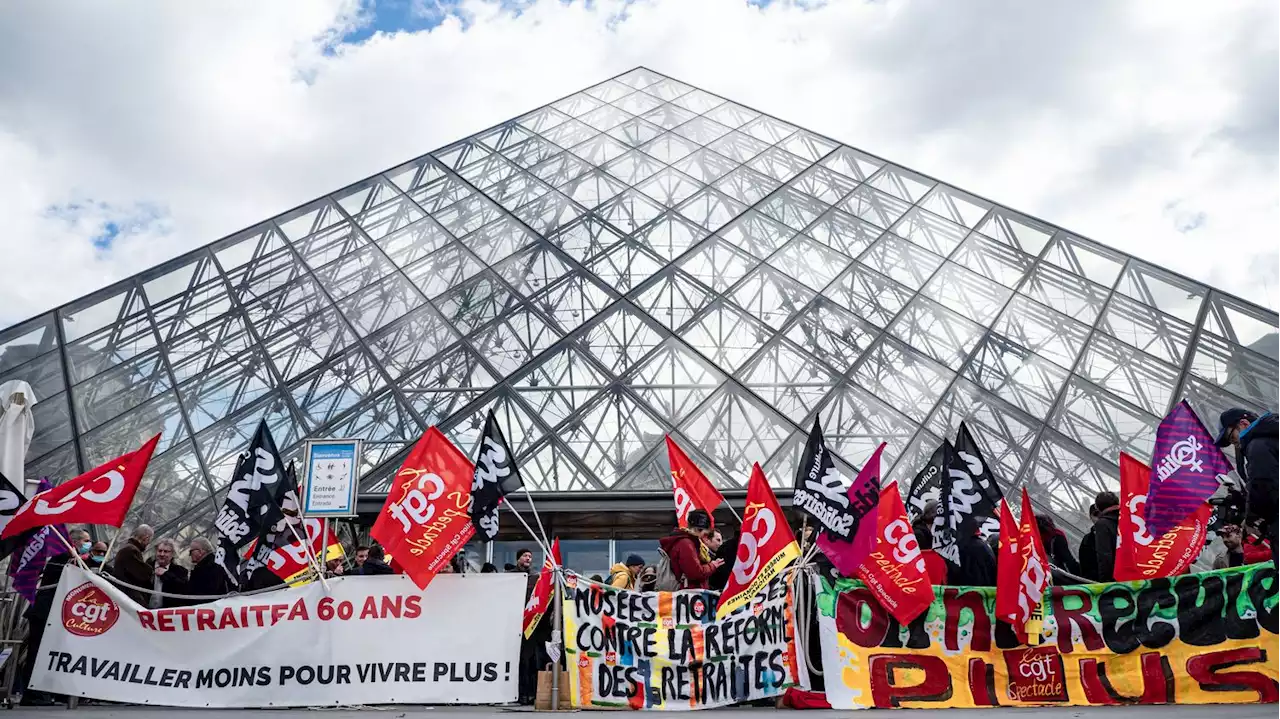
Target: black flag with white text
x=821, y=491
x=251, y=508
x=496, y=476
x=969, y=454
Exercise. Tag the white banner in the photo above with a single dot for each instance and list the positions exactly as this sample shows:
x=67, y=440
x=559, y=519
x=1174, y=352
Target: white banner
x=369, y=640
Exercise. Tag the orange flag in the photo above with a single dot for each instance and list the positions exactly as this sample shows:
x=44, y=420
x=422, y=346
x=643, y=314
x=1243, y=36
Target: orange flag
x=691, y=487
x=895, y=570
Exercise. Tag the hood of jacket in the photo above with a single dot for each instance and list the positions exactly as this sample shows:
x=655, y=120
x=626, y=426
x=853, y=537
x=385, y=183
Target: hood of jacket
x=619, y=568
x=1264, y=427
x=675, y=538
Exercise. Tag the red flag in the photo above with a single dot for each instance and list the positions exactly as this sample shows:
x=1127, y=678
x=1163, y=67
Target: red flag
x=691, y=487
x=289, y=561
x=864, y=497
x=766, y=547
x=540, y=599
x=424, y=521
x=895, y=570
x=100, y=496
x=1141, y=556
x=1008, y=566
x=1034, y=576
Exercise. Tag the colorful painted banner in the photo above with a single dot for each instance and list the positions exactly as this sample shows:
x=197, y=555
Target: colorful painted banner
x=667, y=650
x=1195, y=639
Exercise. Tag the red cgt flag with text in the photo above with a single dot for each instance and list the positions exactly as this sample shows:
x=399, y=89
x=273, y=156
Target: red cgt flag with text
x=1141, y=556
x=425, y=520
x=1008, y=566
x=765, y=548
x=690, y=486
x=895, y=571
x=540, y=598
x=100, y=496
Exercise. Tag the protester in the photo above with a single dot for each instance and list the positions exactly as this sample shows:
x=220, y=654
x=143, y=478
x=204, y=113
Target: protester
x=1088, y=555
x=361, y=556
x=524, y=560
x=207, y=579
x=934, y=565
x=626, y=574
x=169, y=578
x=1255, y=442
x=488, y=568
x=334, y=567
x=131, y=568
x=376, y=564
x=1240, y=549
x=262, y=578
x=1105, y=532
x=37, y=615
x=1056, y=545
x=977, y=566
x=690, y=560
x=726, y=553
x=97, y=558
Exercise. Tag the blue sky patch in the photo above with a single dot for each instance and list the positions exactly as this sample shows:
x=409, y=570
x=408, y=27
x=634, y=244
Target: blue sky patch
x=102, y=223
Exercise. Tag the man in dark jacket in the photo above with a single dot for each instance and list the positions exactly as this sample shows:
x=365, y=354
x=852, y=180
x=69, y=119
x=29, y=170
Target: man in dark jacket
x=376, y=564
x=38, y=614
x=207, y=578
x=1105, y=534
x=169, y=578
x=1056, y=545
x=691, y=562
x=726, y=552
x=977, y=563
x=1255, y=442
x=130, y=566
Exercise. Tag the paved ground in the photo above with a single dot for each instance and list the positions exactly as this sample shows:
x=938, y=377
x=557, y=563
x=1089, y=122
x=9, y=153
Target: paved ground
x=1237, y=711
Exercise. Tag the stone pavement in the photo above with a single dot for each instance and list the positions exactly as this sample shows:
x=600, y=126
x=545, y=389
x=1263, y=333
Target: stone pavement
x=1235, y=711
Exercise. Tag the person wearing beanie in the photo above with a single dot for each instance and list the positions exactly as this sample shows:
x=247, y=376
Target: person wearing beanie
x=625, y=575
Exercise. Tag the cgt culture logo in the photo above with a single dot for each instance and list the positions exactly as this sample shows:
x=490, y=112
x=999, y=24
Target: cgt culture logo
x=87, y=611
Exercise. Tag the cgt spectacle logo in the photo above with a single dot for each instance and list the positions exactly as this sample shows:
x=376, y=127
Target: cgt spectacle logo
x=1036, y=675
x=87, y=611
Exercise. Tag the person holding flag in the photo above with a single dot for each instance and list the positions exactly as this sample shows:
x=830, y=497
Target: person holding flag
x=691, y=562
x=690, y=487
x=536, y=633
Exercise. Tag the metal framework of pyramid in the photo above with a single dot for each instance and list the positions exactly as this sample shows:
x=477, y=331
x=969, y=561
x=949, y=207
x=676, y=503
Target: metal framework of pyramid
x=636, y=259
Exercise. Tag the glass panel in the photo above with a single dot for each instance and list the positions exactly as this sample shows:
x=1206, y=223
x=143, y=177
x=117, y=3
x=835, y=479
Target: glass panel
x=410, y=341
x=443, y=269
x=1066, y=477
x=793, y=208
x=674, y=299
x=831, y=334
x=788, y=379
x=901, y=183
x=903, y=378
x=968, y=293
x=613, y=433
x=901, y=260
x=757, y=233
x=726, y=335
x=115, y=391
x=855, y=422
x=446, y=384
x=330, y=391
x=1166, y=292
x=735, y=431
x=373, y=307
x=1067, y=293
x=842, y=231
x=514, y=339
x=1005, y=434
x=226, y=390
x=306, y=344
x=1240, y=322
x=869, y=295
x=670, y=235
x=1146, y=329
x=588, y=557
x=778, y=164
x=995, y=260
x=1043, y=331
x=1086, y=259
x=956, y=205
x=1135, y=376
x=876, y=207
x=746, y=185
x=620, y=338
x=533, y=269
x=1236, y=370
x=939, y=332
x=585, y=238
x=673, y=381
x=1016, y=230
x=476, y=303
x=711, y=209
x=810, y=262
x=1017, y=375
x=929, y=231
x=718, y=264
x=560, y=384
x=625, y=266
x=771, y=296
x=1103, y=423
x=572, y=301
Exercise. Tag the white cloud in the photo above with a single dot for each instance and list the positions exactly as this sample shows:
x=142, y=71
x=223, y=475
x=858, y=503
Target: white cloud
x=1148, y=127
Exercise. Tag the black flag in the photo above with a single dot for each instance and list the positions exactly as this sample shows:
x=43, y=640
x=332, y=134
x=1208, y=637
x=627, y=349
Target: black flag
x=496, y=476
x=277, y=534
x=821, y=491
x=970, y=455
x=932, y=484
x=252, y=506
x=11, y=500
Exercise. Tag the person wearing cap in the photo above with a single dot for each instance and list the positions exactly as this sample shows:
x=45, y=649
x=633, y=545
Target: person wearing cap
x=1254, y=438
x=624, y=575
x=690, y=559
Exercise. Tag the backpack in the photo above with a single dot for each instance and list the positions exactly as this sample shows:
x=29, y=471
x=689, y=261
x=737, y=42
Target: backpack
x=666, y=580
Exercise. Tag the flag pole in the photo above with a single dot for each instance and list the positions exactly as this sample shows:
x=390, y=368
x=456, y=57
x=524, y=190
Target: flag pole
x=112, y=545
x=546, y=540
x=311, y=556
x=734, y=512
x=546, y=548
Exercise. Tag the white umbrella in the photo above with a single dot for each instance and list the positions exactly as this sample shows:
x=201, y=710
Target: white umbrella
x=17, y=426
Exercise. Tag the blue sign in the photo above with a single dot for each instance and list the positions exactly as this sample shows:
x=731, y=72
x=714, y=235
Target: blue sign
x=332, y=474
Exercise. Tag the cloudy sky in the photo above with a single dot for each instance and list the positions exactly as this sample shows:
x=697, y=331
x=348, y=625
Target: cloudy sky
x=133, y=131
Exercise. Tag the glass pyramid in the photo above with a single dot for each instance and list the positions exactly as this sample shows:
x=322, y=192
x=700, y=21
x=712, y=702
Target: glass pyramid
x=640, y=258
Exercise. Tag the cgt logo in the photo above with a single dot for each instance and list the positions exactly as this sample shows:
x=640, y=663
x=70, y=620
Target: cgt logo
x=87, y=611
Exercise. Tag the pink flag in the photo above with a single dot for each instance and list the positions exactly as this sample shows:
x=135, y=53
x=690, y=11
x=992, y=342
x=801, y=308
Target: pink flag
x=864, y=499
x=1184, y=469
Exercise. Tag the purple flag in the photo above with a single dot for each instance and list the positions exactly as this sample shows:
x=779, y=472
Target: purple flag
x=1184, y=469
x=864, y=501
x=25, y=566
